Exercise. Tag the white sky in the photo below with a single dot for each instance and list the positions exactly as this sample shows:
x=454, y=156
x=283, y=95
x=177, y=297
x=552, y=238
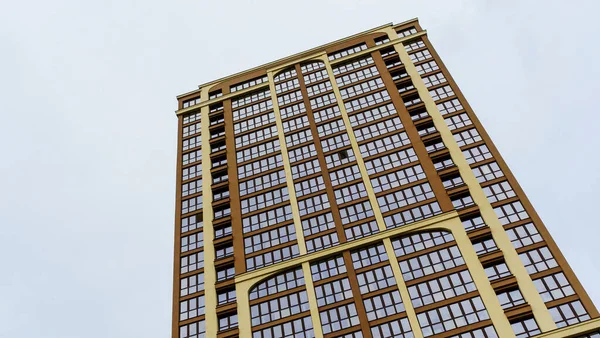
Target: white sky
x=88, y=133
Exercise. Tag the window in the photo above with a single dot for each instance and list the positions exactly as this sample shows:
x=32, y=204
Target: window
x=472, y=222
x=313, y=204
x=378, y=129
x=192, y=157
x=486, y=332
x=361, y=88
x=264, y=200
x=361, y=230
x=298, y=138
x=498, y=192
x=331, y=128
x=511, y=298
x=431, y=263
x=434, y=80
x=224, y=251
x=192, y=172
x=284, y=281
x=397, y=178
x=302, y=153
x=462, y=201
x=225, y=273
x=511, y=212
x=412, y=215
x=228, y=321
x=335, y=142
x=347, y=51
x=333, y=292
x=280, y=307
x=525, y=328
x=193, y=330
x=369, y=256
x=345, y=175
x=449, y=106
x=406, y=32
x=553, y=287
x=192, y=242
x=452, y=181
x=192, y=143
x=191, y=308
x=252, y=110
x=484, y=246
x=338, y=318
x=338, y=158
x=477, y=154
x=449, y=317
x=414, y=44
x=367, y=101
x=384, y=144
x=350, y=193
x=260, y=166
x=305, y=169
x=372, y=115
x=267, y=218
x=458, y=121
x=327, y=114
x=537, y=260
x=467, y=137
x=309, y=67
x=191, y=284
x=441, y=93
x=297, y=123
x=192, y=204
x=255, y=136
x=269, y=239
x=524, y=235
x=357, y=76
x=442, y=288
x=405, y=197
x=569, y=314
x=390, y=161
x=322, y=101
x=191, y=187
x=319, y=88
x=327, y=268
x=226, y=296
x=427, y=67
x=289, y=98
x=253, y=97
x=383, y=305
x=192, y=117
x=399, y=328
x=376, y=279
x=315, y=77
x=272, y=257
x=322, y=242
x=292, y=110
x=262, y=182
x=444, y=162
x=420, y=56
x=352, y=65
x=356, y=212
x=420, y=241
x=487, y=172
x=191, y=102
x=190, y=223
x=309, y=186
x=496, y=271
x=257, y=151
x=299, y=328
x=287, y=86
x=287, y=74
x=249, y=83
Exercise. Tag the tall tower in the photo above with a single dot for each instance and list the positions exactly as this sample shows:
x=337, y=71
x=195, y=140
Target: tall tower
x=350, y=191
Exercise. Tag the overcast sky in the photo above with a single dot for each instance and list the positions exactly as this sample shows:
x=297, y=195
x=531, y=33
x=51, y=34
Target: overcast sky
x=88, y=132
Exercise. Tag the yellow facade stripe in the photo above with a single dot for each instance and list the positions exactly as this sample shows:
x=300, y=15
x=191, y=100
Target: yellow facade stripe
x=288, y=169
x=511, y=257
x=404, y=295
x=312, y=300
x=210, y=275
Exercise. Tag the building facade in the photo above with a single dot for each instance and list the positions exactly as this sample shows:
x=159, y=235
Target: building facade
x=350, y=191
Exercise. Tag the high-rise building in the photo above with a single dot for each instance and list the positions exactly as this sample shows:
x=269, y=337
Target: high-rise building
x=350, y=191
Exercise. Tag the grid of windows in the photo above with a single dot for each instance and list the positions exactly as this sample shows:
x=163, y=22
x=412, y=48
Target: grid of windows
x=192, y=204
x=427, y=67
x=191, y=172
x=350, y=193
x=284, y=75
x=333, y=292
x=485, y=245
x=257, y=151
x=450, y=106
x=193, y=330
x=192, y=157
x=331, y=128
x=431, y=263
x=510, y=298
x=458, y=121
x=313, y=204
x=472, y=222
x=569, y=314
x=366, y=101
x=264, y=200
x=376, y=279
x=191, y=187
x=553, y=287
x=272, y=257
x=361, y=230
x=420, y=241
x=389, y=161
x=397, y=178
x=252, y=110
x=267, y=218
x=250, y=98
x=309, y=67
x=189, y=118
x=467, y=137
x=249, y=84
x=345, y=175
x=412, y=215
x=322, y=242
x=286, y=86
x=255, y=136
x=524, y=235
x=361, y=88
x=357, y=76
x=192, y=242
x=335, y=142
x=338, y=318
x=497, y=271
x=319, y=88
x=191, y=284
x=191, y=223
x=327, y=114
x=369, y=256
x=486, y=332
x=322, y=101
x=525, y=328
x=511, y=212
x=302, y=153
x=253, y=123
x=292, y=110
x=487, y=172
x=384, y=144
x=298, y=138
x=309, y=186
x=449, y=317
x=399, y=328
x=305, y=169
x=441, y=93
x=284, y=281
x=262, y=182
x=383, y=305
x=280, y=307
x=405, y=197
x=442, y=288
x=378, y=129
x=269, y=239
x=434, y=80
x=191, y=308
x=315, y=77
x=193, y=142
x=356, y=212
x=298, y=328
x=327, y=268
x=372, y=115
x=341, y=157
x=350, y=66
x=498, y=192
x=537, y=260
x=260, y=166
x=347, y=51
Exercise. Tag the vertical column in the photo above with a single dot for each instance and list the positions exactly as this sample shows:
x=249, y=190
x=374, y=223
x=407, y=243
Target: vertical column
x=210, y=275
x=312, y=300
x=541, y=314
